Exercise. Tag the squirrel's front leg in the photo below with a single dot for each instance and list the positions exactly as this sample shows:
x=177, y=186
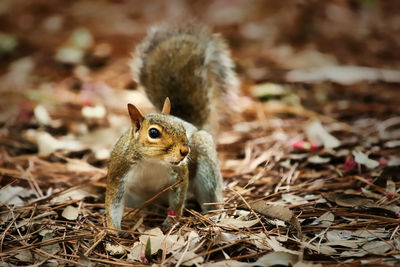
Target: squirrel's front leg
x=114, y=202
x=177, y=195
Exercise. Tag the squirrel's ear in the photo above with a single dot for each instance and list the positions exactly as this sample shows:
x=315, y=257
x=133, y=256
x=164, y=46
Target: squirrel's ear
x=167, y=106
x=136, y=116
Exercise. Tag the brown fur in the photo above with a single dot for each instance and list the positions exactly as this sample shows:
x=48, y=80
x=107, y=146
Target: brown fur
x=193, y=68
x=190, y=66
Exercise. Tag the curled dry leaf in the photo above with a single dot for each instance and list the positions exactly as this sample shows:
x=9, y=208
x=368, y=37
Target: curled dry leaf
x=115, y=249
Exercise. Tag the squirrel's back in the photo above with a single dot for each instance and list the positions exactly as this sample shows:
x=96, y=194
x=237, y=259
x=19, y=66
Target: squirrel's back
x=190, y=66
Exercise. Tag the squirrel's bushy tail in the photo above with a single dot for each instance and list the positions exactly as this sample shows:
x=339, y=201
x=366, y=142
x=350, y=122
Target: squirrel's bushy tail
x=190, y=66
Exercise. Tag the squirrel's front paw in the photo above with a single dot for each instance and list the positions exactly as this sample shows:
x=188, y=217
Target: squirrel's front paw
x=169, y=221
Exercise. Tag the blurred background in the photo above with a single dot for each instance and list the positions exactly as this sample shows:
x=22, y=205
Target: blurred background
x=265, y=36
x=70, y=58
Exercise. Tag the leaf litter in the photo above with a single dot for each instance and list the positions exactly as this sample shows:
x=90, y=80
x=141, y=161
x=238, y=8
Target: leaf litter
x=310, y=159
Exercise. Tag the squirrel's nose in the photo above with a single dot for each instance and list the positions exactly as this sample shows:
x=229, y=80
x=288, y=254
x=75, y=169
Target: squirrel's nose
x=184, y=151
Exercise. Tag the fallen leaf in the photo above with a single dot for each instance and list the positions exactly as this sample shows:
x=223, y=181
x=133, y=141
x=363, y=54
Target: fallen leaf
x=325, y=219
x=344, y=75
x=237, y=223
x=316, y=133
x=70, y=213
x=353, y=253
x=76, y=194
x=96, y=112
x=377, y=247
x=52, y=248
x=188, y=258
x=156, y=239
x=318, y=160
x=11, y=195
x=277, y=246
x=24, y=255
x=115, y=249
x=273, y=211
x=307, y=264
x=363, y=159
x=349, y=200
x=41, y=115
x=277, y=259
x=227, y=263
x=136, y=251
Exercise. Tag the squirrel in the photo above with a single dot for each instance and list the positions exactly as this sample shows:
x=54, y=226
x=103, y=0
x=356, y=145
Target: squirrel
x=185, y=72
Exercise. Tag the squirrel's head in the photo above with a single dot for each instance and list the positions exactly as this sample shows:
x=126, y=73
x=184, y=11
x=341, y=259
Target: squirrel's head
x=159, y=136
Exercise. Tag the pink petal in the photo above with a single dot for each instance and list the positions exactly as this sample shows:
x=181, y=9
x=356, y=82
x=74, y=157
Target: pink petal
x=349, y=164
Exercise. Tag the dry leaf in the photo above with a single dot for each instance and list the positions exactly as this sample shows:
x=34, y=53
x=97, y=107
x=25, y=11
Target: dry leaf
x=363, y=159
x=227, y=263
x=156, y=239
x=237, y=223
x=115, y=249
x=96, y=112
x=136, y=252
x=10, y=195
x=277, y=246
x=277, y=259
x=24, y=255
x=317, y=133
x=76, y=194
x=272, y=211
x=307, y=264
x=349, y=200
x=41, y=115
x=377, y=247
x=344, y=75
x=325, y=219
x=188, y=258
x=70, y=213
x=293, y=199
x=277, y=212
x=318, y=160
x=321, y=248
x=353, y=253
x=52, y=248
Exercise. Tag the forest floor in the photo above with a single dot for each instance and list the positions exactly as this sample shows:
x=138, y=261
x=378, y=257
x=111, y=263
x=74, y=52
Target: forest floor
x=310, y=153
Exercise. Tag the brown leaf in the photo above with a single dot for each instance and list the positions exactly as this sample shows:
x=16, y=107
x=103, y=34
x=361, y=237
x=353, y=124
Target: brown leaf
x=349, y=200
x=277, y=212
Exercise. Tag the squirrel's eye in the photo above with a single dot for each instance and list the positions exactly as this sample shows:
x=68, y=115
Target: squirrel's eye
x=154, y=133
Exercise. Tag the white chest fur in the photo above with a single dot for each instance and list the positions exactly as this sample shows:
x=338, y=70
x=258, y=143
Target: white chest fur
x=145, y=180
